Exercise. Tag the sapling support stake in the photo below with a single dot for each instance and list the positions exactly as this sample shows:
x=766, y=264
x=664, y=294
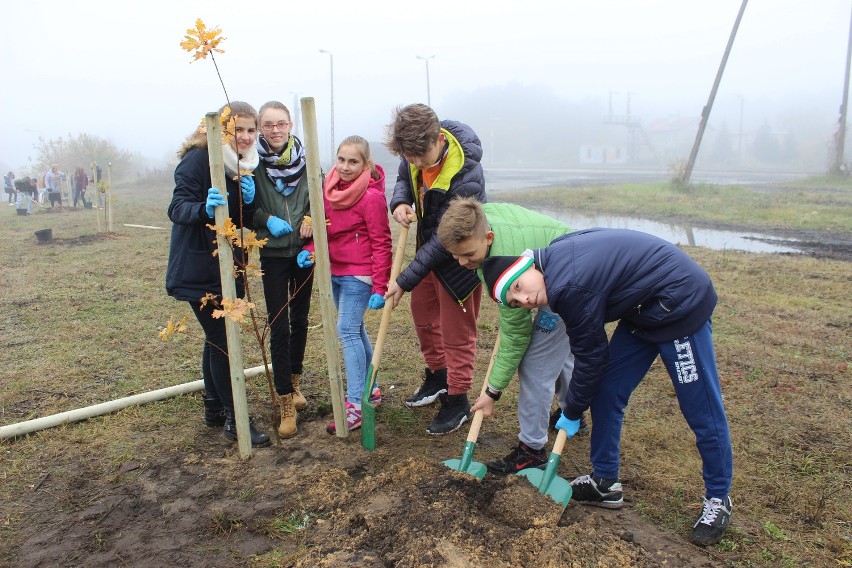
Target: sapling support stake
x=322, y=267
x=229, y=289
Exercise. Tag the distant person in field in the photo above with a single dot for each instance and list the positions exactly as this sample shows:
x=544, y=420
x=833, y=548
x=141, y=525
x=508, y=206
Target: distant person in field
x=53, y=185
x=193, y=271
x=439, y=160
x=9, y=187
x=359, y=250
x=26, y=189
x=80, y=183
x=663, y=302
x=283, y=216
x=532, y=343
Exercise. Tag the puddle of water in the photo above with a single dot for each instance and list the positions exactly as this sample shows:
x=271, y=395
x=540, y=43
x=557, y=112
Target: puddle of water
x=677, y=234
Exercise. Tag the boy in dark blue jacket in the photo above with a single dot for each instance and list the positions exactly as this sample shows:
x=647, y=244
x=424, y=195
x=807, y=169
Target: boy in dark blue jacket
x=662, y=301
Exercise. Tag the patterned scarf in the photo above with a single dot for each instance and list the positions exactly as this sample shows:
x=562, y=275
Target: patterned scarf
x=284, y=169
x=248, y=162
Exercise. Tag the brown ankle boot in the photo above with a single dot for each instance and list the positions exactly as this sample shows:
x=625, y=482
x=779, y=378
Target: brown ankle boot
x=299, y=401
x=287, y=428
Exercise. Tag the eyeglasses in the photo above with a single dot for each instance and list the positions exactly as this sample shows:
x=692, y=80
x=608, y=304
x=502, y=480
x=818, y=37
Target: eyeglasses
x=270, y=126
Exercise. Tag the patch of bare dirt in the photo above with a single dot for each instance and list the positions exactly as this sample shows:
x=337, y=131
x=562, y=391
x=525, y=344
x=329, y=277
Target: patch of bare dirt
x=319, y=501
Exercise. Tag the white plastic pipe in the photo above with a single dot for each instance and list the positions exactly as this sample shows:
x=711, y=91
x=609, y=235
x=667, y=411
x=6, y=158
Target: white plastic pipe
x=21, y=428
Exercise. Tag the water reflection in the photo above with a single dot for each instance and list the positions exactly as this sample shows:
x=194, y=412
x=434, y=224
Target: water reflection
x=678, y=234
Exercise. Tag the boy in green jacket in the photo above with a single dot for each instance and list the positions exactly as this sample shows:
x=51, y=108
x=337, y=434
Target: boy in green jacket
x=536, y=347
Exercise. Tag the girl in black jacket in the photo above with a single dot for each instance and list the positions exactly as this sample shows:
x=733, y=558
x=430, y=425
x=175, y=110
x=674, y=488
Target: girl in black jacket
x=193, y=271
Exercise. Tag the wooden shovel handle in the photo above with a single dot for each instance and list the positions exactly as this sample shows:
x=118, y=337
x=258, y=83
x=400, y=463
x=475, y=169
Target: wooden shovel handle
x=396, y=268
x=559, y=444
x=473, y=433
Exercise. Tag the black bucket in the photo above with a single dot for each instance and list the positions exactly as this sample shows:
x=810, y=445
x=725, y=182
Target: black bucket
x=44, y=235
x=22, y=211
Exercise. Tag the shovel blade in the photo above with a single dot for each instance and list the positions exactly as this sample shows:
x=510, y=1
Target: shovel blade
x=548, y=483
x=475, y=468
x=368, y=425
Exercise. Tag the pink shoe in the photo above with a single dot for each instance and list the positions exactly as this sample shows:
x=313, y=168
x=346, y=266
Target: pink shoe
x=353, y=419
x=376, y=397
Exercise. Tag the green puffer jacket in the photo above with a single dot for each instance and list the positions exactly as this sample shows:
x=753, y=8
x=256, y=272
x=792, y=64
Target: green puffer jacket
x=515, y=230
x=292, y=208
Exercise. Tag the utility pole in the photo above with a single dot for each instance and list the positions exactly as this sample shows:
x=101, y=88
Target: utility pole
x=839, y=166
x=686, y=174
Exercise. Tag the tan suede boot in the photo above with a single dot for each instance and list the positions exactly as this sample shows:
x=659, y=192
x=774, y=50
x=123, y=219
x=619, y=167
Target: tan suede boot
x=287, y=428
x=299, y=401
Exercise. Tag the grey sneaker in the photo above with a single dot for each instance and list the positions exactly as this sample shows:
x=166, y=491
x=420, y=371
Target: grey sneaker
x=597, y=491
x=714, y=519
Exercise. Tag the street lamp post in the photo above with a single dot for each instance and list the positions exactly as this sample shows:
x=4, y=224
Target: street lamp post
x=331, y=63
x=428, y=88
x=297, y=115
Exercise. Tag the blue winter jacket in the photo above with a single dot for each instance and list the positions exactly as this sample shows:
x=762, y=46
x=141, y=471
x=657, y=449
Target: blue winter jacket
x=461, y=176
x=599, y=275
x=193, y=271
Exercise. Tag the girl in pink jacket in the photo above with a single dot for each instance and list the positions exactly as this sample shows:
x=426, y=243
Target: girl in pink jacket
x=360, y=250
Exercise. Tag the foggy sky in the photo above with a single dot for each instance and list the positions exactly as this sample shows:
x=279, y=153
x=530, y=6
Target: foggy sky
x=116, y=70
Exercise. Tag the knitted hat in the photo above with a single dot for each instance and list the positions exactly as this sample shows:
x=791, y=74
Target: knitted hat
x=500, y=271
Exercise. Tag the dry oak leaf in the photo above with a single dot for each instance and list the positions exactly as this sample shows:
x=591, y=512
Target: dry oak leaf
x=202, y=41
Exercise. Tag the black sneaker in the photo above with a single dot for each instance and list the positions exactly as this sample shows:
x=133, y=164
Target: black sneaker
x=597, y=491
x=433, y=386
x=556, y=414
x=519, y=458
x=258, y=438
x=455, y=411
x=714, y=519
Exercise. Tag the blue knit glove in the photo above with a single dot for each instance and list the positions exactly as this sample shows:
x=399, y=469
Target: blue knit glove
x=377, y=301
x=247, y=185
x=304, y=260
x=570, y=426
x=278, y=227
x=214, y=199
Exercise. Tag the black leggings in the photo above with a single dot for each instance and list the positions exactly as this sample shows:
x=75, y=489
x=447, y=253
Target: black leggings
x=215, y=368
x=288, y=300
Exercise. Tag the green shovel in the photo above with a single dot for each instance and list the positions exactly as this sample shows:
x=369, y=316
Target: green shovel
x=466, y=463
x=547, y=482
x=368, y=409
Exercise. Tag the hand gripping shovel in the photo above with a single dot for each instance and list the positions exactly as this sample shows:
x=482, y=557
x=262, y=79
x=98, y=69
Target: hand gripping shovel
x=547, y=482
x=368, y=409
x=466, y=463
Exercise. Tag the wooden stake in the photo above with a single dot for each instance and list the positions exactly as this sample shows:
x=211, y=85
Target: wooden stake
x=229, y=290
x=108, y=197
x=95, y=204
x=322, y=269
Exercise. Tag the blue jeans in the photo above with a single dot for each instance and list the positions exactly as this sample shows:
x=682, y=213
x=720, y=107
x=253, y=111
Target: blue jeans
x=691, y=364
x=351, y=297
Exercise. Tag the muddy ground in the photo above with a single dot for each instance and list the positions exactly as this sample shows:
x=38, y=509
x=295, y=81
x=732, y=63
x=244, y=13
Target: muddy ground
x=345, y=506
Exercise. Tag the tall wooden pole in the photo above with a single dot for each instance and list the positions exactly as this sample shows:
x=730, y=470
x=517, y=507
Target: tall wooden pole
x=97, y=194
x=839, y=166
x=322, y=268
x=229, y=290
x=108, y=197
x=705, y=112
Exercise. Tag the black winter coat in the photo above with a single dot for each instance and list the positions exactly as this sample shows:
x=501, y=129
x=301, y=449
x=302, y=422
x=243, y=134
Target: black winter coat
x=193, y=271
x=599, y=275
x=468, y=180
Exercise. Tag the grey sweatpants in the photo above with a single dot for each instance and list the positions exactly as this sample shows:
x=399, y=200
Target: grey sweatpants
x=546, y=366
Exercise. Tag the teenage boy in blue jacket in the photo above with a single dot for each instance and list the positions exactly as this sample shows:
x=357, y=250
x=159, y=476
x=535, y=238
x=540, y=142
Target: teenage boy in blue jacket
x=663, y=302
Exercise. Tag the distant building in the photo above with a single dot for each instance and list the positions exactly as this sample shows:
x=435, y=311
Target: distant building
x=602, y=154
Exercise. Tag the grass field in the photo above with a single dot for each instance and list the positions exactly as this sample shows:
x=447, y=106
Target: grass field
x=80, y=318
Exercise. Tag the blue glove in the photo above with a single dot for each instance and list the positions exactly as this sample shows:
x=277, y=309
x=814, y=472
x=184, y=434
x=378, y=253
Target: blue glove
x=570, y=426
x=377, y=301
x=247, y=185
x=278, y=226
x=214, y=199
x=303, y=259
